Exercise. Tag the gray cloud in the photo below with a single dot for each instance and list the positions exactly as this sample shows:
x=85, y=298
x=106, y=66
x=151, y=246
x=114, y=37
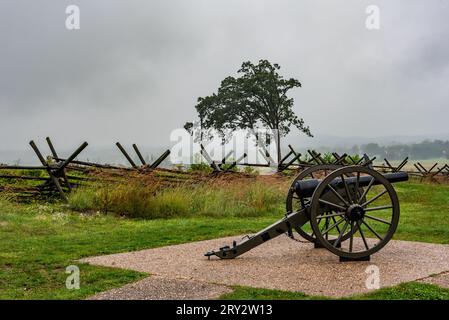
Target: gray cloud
x=134, y=69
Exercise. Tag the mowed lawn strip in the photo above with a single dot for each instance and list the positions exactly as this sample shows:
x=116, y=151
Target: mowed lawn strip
x=404, y=291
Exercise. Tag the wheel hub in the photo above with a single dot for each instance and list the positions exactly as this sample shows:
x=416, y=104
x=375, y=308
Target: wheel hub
x=355, y=212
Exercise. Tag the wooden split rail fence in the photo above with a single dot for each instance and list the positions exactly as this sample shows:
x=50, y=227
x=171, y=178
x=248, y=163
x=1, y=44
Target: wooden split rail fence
x=60, y=176
x=52, y=176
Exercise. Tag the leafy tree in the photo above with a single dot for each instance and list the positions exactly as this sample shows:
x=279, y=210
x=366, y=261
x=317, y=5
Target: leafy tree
x=257, y=97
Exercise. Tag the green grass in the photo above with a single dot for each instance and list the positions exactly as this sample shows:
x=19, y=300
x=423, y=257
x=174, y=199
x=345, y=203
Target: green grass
x=424, y=212
x=248, y=293
x=37, y=241
x=404, y=291
x=408, y=291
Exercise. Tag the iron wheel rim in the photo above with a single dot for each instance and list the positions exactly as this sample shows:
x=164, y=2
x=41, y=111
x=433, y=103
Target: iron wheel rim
x=393, y=223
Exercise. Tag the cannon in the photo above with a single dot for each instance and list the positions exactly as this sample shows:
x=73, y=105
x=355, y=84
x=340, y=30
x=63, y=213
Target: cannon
x=353, y=211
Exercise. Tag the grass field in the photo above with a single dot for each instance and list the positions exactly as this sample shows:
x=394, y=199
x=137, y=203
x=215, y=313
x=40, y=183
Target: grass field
x=38, y=241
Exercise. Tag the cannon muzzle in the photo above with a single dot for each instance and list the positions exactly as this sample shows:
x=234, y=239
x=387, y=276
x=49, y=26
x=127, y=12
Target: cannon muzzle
x=305, y=188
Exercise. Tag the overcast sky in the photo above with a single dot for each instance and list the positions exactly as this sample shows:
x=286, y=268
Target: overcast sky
x=134, y=70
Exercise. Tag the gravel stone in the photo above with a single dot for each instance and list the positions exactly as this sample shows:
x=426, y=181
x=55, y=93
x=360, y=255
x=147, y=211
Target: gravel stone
x=441, y=279
x=161, y=288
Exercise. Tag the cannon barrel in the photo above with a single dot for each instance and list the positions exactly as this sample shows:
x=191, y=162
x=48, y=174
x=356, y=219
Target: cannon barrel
x=305, y=188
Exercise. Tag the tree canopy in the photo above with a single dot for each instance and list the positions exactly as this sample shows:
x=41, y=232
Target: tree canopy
x=256, y=98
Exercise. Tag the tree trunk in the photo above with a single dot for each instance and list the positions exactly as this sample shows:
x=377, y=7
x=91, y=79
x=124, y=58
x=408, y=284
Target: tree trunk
x=278, y=145
x=201, y=130
x=267, y=144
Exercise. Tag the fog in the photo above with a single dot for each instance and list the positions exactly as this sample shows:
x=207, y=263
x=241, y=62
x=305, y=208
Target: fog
x=134, y=69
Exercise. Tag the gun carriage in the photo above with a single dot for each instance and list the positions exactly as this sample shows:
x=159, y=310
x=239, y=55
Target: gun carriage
x=353, y=211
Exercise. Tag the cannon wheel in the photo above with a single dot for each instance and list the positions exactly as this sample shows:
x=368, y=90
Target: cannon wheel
x=357, y=212
x=294, y=203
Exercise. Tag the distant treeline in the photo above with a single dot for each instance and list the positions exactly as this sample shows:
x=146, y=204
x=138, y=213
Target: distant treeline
x=419, y=151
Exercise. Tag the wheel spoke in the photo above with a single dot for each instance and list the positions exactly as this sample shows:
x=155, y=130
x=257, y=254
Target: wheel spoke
x=366, y=190
x=332, y=204
x=377, y=219
x=338, y=195
x=372, y=230
x=336, y=242
x=336, y=227
x=357, y=183
x=363, y=236
x=374, y=198
x=331, y=215
x=346, y=188
x=333, y=226
x=318, y=223
x=351, y=239
x=378, y=208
